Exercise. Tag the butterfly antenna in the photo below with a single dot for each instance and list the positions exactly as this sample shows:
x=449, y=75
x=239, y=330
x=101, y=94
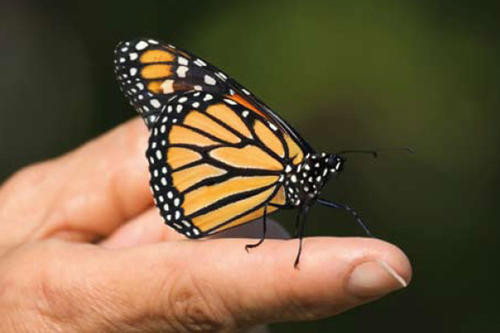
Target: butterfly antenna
x=375, y=153
x=371, y=152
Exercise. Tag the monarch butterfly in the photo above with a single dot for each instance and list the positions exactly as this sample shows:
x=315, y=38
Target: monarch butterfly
x=218, y=156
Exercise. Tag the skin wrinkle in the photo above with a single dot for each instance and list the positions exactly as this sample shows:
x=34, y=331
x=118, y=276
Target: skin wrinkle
x=287, y=302
x=59, y=221
x=55, y=297
x=187, y=304
x=47, y=310
x=276, y=280
x=79, y=236
x=211, y=296
x=60, y=294
x=128, y=314
x=104, y=310
x=156, y=310
x=283, y=294
x=13, y=279
x=143, y=320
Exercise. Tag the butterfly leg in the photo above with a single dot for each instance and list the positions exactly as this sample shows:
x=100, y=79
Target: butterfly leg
x=348, y=209
x=297, y=226
x=264, y=229
x=301, y=222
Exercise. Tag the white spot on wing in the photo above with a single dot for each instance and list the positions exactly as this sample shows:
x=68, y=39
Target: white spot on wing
x=155, y=103
x=141, y=45
x=181, y=71
x=209, y=80
x=167, y=86
x=200, y=62
x=230, y=101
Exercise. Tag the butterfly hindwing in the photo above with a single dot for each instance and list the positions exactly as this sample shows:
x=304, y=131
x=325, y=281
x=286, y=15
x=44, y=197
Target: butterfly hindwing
x=215, y=165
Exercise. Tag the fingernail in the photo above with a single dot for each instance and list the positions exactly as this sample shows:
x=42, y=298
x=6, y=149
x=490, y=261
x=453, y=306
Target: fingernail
x=374, y=278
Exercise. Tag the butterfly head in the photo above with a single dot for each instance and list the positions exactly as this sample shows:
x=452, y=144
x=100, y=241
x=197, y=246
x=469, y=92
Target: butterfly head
x=335, y=163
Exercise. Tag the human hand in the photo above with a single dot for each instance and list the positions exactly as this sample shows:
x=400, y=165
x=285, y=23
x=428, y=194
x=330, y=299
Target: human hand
x=83, y=249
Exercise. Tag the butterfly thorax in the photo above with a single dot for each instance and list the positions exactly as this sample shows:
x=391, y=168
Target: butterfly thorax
x=304, y=182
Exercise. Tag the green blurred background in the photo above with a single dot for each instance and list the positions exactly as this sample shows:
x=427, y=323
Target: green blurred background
x=347, y=75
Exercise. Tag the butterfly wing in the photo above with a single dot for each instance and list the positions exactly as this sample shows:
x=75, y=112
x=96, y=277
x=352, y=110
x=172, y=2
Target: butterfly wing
x=217, y=154
x=214, y=164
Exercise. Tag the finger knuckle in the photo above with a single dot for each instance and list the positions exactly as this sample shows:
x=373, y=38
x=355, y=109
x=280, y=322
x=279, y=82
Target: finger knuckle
x=29, y=175
x=32, y=289
x=53, y=293
x=194, y=308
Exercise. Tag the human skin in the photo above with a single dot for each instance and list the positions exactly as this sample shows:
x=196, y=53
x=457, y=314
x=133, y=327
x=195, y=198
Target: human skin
x=82, y=249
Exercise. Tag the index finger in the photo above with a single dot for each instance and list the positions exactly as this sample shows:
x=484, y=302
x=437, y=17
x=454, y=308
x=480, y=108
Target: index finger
x=84, y=194
x=215, y=285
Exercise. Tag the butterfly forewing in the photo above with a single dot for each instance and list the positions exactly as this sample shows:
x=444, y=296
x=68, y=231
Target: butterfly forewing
x=150, y=72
